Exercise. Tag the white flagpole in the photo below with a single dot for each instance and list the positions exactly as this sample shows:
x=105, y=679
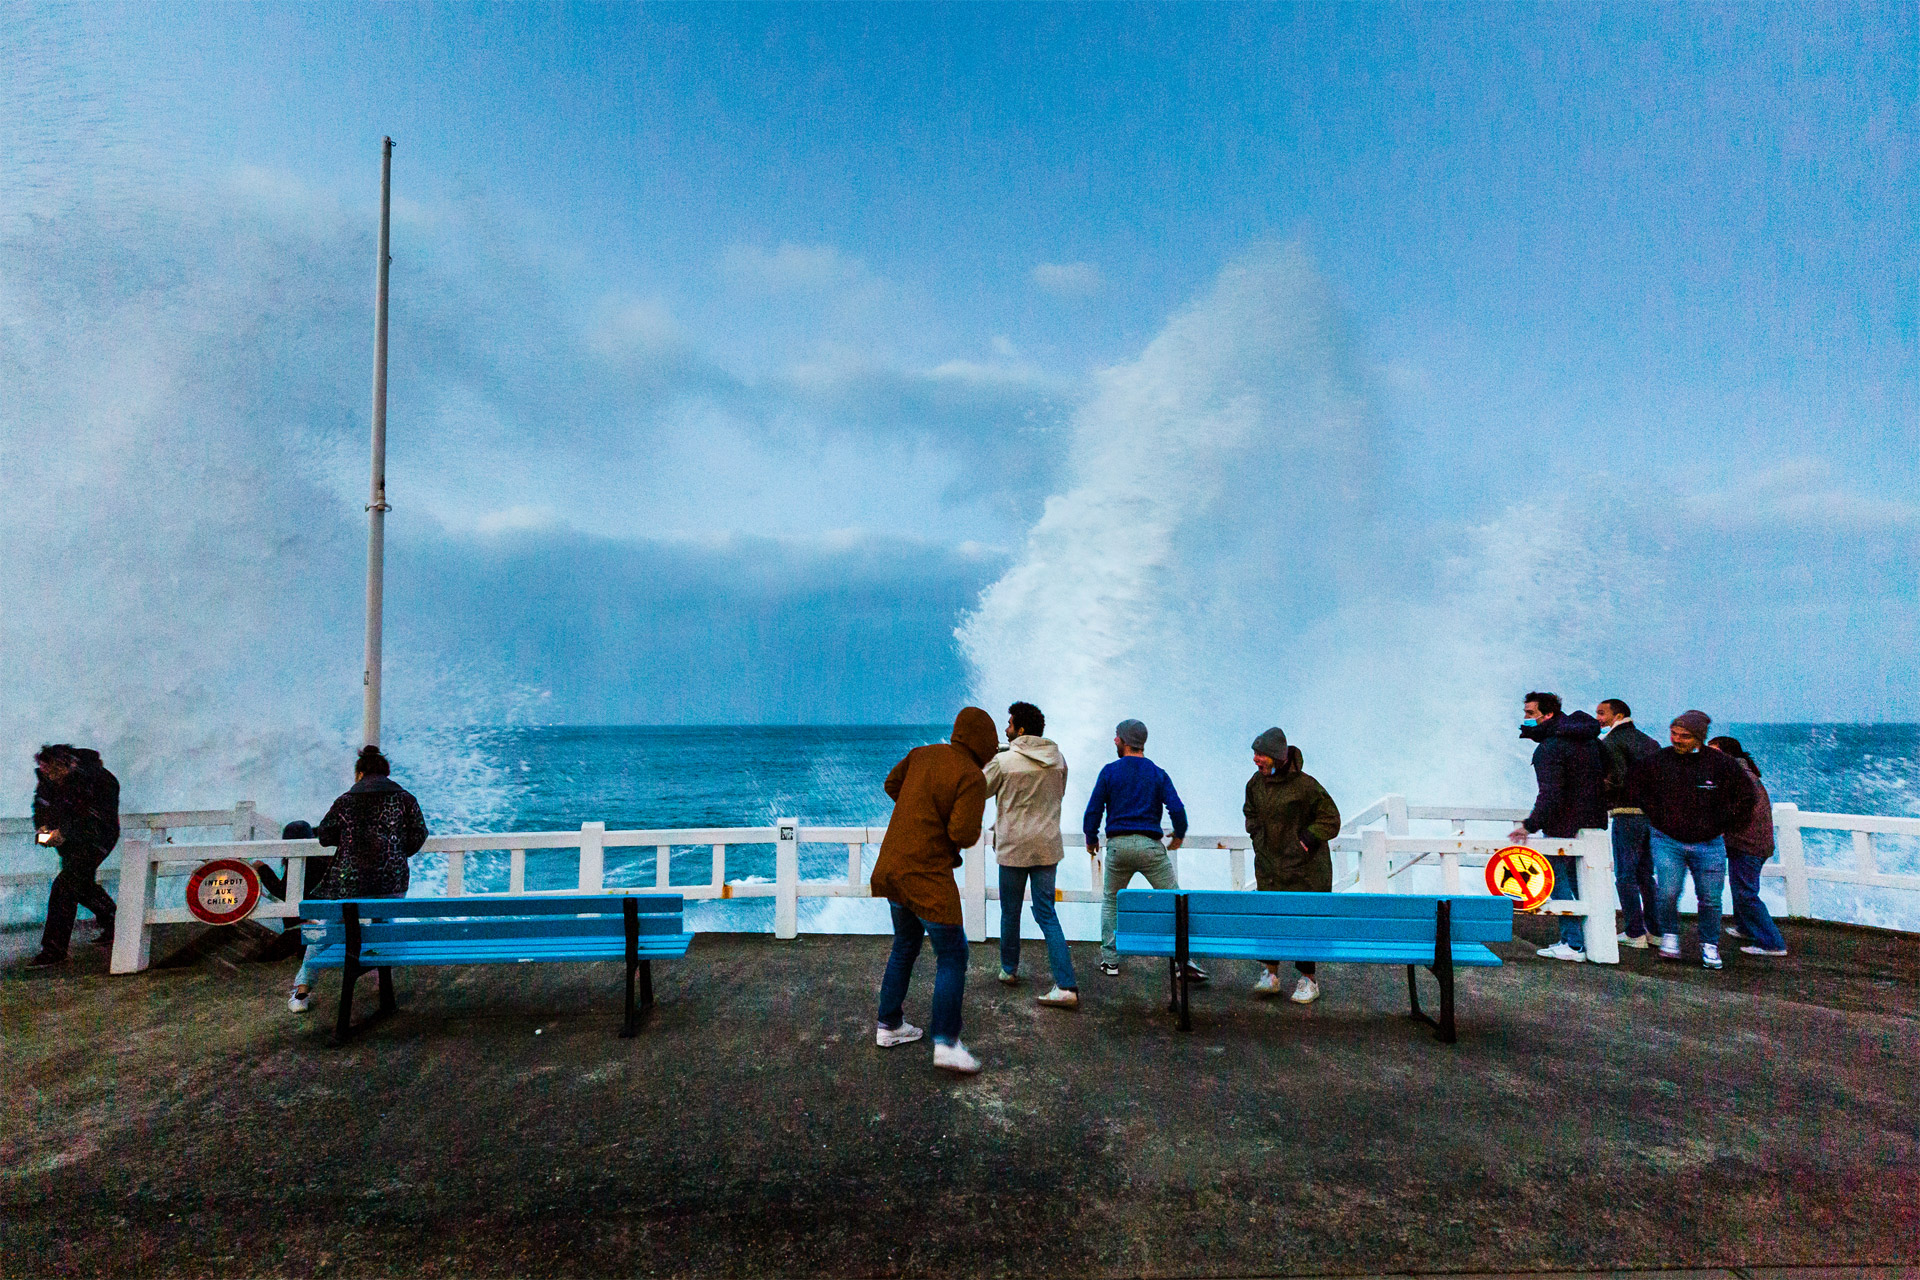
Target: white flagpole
x=377, y=504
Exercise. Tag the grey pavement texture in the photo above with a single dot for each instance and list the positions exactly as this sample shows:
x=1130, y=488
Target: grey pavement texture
x=1590, y=1120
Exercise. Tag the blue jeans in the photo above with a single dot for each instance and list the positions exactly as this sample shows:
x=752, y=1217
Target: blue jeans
x=1708, y=862
x=1633, y=874
x=1749, y=912
x=1013, y=887
x=949, y=974
x=1566, y=887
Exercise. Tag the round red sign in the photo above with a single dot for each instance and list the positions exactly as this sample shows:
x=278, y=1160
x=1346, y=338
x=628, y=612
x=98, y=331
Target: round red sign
x=223, y=891
x=1522, y=874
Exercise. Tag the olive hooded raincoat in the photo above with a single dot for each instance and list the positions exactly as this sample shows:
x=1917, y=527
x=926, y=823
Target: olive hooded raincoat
x=1285, y=810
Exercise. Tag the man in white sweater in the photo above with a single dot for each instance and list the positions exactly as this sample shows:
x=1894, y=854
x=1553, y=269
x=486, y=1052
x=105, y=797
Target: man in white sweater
x=1027, y=779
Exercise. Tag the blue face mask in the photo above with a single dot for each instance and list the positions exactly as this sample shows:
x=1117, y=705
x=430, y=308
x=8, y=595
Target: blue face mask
x=1529, y=724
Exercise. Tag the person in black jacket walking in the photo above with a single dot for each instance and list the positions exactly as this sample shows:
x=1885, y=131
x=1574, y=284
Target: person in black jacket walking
x=1625, y=747
x=76, y=810
x=1693, y=798
x=1570, y=768
x=377, y=825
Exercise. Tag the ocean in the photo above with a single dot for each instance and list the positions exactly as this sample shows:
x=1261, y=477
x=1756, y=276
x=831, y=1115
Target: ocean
x=550, y=778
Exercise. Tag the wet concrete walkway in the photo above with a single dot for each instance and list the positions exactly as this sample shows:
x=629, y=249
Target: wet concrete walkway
x=1590, y=1119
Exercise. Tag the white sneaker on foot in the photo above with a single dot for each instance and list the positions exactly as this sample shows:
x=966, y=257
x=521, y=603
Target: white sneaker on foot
x=1008, y=978
x=1636, y=940
x=1669, y=946
x=954, y=1057
x=1709, y=956
x=1305, y=991
x=1269, y=984
x=1561, y=951
x=905, y=1033
x=1059, y=998
x=1762, y=951
x=1732, y=931
x=297, y=1000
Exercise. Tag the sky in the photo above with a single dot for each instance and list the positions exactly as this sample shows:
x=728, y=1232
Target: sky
x=739, y=353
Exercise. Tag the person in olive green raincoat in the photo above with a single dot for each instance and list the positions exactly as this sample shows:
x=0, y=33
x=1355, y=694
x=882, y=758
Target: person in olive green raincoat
x=1290, y=817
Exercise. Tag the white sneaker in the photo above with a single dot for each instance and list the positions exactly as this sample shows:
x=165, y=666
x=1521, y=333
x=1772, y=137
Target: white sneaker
x=1638, y=941
x=1561, y=951
x=1732, y=931
x=905, y=1033
x=1762, y=951
x=297, y=1001
x=1669, y=946
x=1008, y=978
x=1269, y=984
x=1059, y=998
x=1305, y=991
x=954, y=1057
x=1709, y=956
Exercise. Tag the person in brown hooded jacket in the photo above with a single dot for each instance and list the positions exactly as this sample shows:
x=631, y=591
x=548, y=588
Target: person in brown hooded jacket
x=940, y=799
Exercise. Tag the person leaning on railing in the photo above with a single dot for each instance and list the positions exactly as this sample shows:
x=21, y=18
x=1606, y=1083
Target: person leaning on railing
x=376, y=825
x=1693, y=799
x=1747, y=851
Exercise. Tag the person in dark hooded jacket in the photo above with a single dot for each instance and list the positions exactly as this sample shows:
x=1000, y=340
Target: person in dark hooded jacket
x=939, y=801
x=76, y=810
x=376, y=825
x=1291, y=818
x=1570, y=768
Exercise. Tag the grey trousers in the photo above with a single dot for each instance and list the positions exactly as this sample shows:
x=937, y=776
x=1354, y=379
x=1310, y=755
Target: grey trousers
x=1126, y=856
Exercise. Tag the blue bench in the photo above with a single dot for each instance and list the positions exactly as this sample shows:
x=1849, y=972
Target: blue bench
x=363, y=934
x=1437, y=933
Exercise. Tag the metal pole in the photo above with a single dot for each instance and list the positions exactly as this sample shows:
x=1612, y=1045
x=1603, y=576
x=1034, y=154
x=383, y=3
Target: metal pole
x=377, y=504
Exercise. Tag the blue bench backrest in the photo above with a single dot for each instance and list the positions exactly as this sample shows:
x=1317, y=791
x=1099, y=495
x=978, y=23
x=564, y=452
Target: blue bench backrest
x=472, y=919
x=1357, y=917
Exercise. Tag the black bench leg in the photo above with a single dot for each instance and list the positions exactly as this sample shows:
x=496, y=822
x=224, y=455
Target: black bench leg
x=343, y=1025
x=1180, y=958
x=1173, y=985
x=386, y=989
x=1444, y=972
x=635, y=963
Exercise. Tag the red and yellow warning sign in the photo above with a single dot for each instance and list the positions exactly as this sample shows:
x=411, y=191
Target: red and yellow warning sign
x=1522, y=874
x=223, y=891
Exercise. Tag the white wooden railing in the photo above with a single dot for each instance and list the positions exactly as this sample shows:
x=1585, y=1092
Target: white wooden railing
x=242, y=822
x=1376, y=852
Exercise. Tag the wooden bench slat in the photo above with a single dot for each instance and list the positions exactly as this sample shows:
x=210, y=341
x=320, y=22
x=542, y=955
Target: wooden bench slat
x=1385, y=906
x=497, y=951
x=1464, y=953
x=1358, y=928
x=527, y=906
x=549, y=927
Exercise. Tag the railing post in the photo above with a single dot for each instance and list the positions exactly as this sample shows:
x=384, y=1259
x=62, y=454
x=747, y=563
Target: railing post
x=973, y=902
x=243, y=826
x=131, y=936
x=1793, y=859
x=786, y=880
x=593, y=856
x=1237, y=868
x=1597, y=894
x=1396, y=815
x=1373, y=861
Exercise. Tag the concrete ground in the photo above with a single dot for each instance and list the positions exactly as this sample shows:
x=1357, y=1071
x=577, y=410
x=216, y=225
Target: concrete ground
x=182, y=1122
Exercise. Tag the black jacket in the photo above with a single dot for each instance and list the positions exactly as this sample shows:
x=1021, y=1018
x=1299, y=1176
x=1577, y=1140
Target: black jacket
x=1625, y=746
x=84, y=807
x=1569, y=766
x=377, y=826
x=1692, y=797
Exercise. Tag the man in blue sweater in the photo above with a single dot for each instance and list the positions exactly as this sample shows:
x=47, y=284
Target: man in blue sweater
x=1131, y=792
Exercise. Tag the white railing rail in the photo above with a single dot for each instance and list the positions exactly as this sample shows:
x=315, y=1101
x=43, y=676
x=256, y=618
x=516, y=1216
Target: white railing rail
x=1374, y=853
x=242, y=822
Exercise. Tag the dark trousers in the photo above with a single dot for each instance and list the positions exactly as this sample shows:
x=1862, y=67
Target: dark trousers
x=1633, y=874
x=75, y=887
x=949, y=973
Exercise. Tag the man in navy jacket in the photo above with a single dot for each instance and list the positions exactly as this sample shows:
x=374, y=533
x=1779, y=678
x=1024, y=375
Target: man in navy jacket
x=1132, y=791
x=1570, y=768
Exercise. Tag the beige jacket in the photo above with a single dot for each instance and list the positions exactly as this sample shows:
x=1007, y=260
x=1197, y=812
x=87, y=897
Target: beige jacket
x=1027, y=781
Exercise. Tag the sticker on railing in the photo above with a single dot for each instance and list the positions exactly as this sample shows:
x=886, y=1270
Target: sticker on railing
x=223, y=891
x=1522, y=874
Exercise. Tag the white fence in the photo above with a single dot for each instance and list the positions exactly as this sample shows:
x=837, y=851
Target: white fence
x=1377, y=851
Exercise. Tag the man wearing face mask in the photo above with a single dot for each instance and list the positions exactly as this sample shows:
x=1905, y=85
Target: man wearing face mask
x=1693, y=799
x=1290, y=817
x=1570, y=768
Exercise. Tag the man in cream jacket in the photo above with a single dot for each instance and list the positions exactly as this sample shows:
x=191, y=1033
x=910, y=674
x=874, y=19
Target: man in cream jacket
x=1027, y=779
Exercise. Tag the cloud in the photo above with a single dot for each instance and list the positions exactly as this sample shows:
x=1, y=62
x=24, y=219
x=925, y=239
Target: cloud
x=795, y=267
x=1069, y=279
x=1802, y=495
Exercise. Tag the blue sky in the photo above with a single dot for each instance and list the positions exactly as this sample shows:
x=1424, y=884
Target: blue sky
x=736, y=350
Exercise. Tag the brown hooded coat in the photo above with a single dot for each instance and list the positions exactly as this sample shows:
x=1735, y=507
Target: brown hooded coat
x=939, y=796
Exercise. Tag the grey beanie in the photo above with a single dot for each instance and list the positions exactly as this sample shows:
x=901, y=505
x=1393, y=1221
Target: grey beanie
x=1131, y=732
x=1272, y=744
x=1694, y=722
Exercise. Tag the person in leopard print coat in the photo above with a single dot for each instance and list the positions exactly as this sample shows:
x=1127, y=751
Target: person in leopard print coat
x=377, y=825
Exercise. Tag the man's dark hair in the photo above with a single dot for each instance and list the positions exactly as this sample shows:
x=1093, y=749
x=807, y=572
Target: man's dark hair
x=1027, y=718
x=1619, y=708
x=372, y=764
x=1549, y=703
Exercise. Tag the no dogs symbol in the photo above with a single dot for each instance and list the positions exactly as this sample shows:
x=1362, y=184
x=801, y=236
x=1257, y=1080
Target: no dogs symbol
x=223, y=891
x=1521, y=874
